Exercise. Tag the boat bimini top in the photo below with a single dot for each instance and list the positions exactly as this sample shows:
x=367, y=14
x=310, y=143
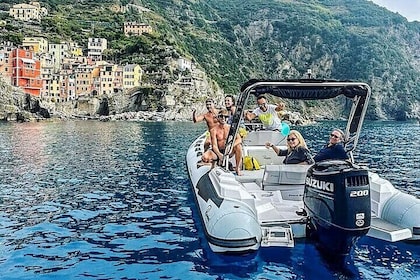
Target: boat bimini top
x=307, y=89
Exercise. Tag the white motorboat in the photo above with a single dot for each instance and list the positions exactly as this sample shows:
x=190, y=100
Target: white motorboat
x=334, y=202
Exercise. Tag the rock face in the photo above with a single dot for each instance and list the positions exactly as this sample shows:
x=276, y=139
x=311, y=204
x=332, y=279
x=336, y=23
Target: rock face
x=174, y=101
x=18, y=106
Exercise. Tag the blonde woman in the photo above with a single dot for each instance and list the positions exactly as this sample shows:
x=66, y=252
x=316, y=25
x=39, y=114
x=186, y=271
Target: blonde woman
x=297, y=152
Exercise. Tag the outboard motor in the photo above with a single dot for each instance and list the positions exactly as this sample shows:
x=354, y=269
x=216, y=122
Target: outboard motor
x=337, y=200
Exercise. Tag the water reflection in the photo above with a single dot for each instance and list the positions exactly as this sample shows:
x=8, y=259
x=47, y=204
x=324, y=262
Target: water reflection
x=113, y=200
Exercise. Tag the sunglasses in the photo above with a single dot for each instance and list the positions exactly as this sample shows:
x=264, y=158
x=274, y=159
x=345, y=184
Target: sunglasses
x=291, y=139
x=222, y=116
x=335, y=136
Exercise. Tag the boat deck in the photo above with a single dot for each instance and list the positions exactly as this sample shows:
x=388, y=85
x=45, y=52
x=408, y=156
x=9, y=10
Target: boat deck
x=270, y=204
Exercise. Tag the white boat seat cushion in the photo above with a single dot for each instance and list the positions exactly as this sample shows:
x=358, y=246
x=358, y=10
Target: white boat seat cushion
x=263, y=155
x=260, y=137
x=285, y=174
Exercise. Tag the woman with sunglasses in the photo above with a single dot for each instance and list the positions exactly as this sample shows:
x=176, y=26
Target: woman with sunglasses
x=334, y=149
x=297, y=152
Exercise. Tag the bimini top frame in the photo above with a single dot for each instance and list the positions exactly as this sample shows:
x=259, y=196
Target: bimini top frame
x=307, y=89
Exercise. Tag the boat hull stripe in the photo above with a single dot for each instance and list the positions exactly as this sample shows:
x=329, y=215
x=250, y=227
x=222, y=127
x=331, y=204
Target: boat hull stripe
x=207, y=192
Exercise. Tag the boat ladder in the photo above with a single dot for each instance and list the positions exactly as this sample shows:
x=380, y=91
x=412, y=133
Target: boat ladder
x=279, y=235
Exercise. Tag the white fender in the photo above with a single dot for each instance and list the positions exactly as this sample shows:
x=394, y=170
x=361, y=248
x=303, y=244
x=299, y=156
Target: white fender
x=404, y=210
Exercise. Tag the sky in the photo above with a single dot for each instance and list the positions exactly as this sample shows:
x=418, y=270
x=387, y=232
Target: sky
x=407, y=8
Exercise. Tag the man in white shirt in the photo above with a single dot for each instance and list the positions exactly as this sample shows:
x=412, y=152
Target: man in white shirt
x=267, y=114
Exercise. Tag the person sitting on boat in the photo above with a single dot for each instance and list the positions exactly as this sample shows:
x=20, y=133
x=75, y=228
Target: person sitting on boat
x=267, y=113
x=210, y=117
x=231, y=108
x=297, y=152
x=218, y=135
x=334, y=149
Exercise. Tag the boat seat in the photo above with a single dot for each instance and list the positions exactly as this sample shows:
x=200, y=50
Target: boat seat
x=285, y=174
x=250, y=176
x=263, y=155
x=289, y=179
x=260, y=137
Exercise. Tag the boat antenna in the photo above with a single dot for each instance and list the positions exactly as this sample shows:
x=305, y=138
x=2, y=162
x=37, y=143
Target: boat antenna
x=309, y=73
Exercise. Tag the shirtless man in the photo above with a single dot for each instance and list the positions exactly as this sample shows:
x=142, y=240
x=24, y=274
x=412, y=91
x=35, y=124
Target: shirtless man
x=211, y=119
x=218, y=135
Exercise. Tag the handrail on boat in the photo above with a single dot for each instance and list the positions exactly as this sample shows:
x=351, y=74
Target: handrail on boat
x=306, y=89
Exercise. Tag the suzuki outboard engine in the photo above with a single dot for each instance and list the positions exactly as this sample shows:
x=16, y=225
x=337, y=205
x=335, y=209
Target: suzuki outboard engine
x=337, y=200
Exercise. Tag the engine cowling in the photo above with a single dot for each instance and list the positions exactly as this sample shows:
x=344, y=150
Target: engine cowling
x=337, y=200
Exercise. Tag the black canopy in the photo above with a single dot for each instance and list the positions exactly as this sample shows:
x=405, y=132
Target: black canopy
x=306, y=89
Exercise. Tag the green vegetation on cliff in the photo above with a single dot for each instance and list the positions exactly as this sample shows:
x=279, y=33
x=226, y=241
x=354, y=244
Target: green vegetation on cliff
x=235, y=40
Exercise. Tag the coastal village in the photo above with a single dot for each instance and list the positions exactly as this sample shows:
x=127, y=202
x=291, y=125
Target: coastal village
x=64, y=73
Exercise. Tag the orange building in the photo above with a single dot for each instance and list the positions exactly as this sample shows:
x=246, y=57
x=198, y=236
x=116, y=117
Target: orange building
x=26, y=72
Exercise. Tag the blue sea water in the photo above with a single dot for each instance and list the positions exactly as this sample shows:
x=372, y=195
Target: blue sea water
x=95, y=200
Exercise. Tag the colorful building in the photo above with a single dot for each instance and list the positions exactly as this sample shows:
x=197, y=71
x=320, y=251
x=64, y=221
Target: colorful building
x=136, y=29
x=6, y=68
x=39, y=45
x=96, y=47
x=132, y=75
x=27, y=12
x=26, y=72
x=83, y=75
x=107, y=75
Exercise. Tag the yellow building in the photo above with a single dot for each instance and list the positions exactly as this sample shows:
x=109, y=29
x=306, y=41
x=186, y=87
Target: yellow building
x=38, y=44
x=132, y=75
x=75, y=50
x=107, y=75
x=51, y=88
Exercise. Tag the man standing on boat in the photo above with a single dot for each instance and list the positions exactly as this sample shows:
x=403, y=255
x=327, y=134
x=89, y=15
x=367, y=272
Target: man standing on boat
x=267, y=113
x=219, y=135
x=210, y=117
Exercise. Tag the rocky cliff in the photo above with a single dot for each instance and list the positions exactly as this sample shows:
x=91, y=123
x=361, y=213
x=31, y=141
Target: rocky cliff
x=18, y=106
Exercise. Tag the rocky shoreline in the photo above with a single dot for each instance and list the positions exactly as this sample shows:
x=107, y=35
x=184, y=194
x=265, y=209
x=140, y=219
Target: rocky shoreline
x=16, y=106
